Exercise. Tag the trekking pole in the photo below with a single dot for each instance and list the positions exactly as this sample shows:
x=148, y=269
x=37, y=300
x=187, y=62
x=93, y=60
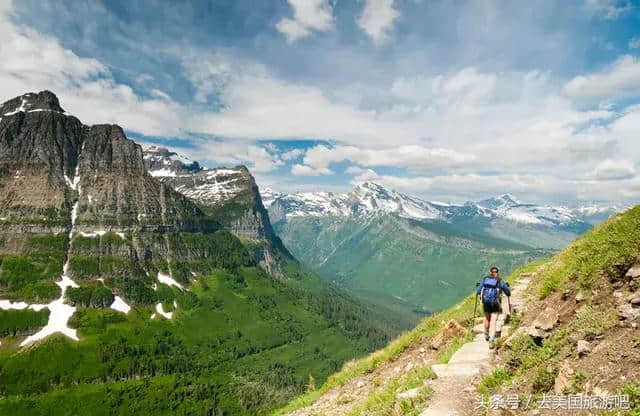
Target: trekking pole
x=475, y=304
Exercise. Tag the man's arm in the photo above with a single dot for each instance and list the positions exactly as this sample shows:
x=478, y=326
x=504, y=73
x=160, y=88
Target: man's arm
x=479, y=287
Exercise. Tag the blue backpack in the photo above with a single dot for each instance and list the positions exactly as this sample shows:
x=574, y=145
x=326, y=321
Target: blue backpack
x=490, y=293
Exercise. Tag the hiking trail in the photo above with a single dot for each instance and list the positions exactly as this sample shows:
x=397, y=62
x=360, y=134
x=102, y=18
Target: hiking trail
x=454, y=389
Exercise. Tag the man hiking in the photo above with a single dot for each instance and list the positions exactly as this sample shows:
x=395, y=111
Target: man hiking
x=490, y=290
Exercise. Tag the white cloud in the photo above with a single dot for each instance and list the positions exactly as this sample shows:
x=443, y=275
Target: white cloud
x=292, y=154
x=32, y=61
x=308, y=15
x=608, y=9
x=230, y=153
x=533, y=187
x=620, y=79
x=614, y=169
x=409, y=156
x=634, y=42
x=304, y=170
x=377, y=19
x=355, y=170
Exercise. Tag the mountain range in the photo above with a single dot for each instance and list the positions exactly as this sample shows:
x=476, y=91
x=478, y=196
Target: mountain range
x=125, y=292
x=420, y=255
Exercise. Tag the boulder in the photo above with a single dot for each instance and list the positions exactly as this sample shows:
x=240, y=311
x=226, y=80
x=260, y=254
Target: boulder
x=546, y=320
x=583, y=347
x=627, y=311
x=409, y=394
x=451, y=330
x=635, y=301
x=536, y=333
x=580, y=296
x=633, y=272
x=563, y=380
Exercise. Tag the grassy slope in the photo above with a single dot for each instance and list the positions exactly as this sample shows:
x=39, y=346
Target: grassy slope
x=585, y=266
x=394, y=258
x=613, y=242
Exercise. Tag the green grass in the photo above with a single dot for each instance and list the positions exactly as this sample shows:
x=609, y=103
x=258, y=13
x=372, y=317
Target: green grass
x=384, y=401
x=614, y=241
x=592, y=322
x=489, y=384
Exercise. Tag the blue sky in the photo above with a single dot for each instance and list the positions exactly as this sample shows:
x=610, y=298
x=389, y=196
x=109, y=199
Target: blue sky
x=441, y=99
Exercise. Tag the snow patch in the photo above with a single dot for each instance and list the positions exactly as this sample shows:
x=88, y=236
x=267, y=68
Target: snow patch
x=59, y=312
x=97, y=233
x=168, y=280
x=161, y=311
x=7, y=305
x=162, y=172
x=120, y=305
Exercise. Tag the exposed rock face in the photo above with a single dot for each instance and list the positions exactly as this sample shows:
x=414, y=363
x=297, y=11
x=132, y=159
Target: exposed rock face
x=232, y=197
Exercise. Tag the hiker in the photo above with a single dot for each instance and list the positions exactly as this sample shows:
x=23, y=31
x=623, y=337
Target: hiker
x=490, y=291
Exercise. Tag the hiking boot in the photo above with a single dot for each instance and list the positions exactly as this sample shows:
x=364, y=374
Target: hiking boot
x=491, y=343
x=486, y=336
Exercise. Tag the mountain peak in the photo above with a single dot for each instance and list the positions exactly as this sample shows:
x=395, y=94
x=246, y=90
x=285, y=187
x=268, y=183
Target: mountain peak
x=504, y=200
x=160, y=161
x=31, y=101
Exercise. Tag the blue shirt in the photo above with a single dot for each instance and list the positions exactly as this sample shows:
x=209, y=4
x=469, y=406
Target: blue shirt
x=503, y=286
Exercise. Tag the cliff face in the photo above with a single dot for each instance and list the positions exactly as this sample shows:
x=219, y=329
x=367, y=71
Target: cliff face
x=232, y=197
x=81, y=195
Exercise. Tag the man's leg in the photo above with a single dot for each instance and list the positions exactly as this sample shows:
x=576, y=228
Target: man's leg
x=493, y=318
x=487, y=319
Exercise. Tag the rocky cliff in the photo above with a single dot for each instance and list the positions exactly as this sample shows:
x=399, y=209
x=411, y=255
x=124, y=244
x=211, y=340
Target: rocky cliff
x=231, y=196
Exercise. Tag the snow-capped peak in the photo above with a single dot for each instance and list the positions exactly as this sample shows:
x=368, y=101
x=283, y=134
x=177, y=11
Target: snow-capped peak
x=160, y=161
x=370, y=198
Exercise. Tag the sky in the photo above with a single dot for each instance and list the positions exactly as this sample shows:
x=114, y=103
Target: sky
x=445, y=100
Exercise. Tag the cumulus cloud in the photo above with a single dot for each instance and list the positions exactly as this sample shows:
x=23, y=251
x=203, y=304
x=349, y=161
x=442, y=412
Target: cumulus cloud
x=409, y=156
x=230, y=153
x=620, y=79
x=377, y=19
x=32, y=61
x=292, y=154
x=304, y=170
x=614, y=169
x=308, y=15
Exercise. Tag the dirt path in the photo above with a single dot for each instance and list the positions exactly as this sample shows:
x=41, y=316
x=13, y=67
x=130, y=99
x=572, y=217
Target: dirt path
x=454, y=389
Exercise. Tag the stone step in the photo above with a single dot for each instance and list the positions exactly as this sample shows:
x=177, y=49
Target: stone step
x=455, y=370
x=476, y=352
x=440, y=411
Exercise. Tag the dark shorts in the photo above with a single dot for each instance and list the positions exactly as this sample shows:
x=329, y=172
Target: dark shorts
x=490, y=308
